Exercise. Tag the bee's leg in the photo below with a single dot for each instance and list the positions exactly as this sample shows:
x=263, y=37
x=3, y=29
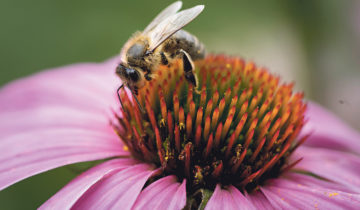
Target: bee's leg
x=118, y=94
x=134, y=94
x=189, y=68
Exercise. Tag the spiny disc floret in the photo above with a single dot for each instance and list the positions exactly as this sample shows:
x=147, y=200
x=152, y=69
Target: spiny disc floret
x=238, y=127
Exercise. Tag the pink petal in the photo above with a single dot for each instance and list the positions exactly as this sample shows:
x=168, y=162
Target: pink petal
x=258, y=199
x=289, y=194
x=230, y=198
x=88, y=86
x=116, y=191
x=328, y=131
x=68, y=195
x=311, y=181
x=276, y=201
x=50, y=117
x=165, y=193
x=30, y=153
x=340, y=167
x=55, y=118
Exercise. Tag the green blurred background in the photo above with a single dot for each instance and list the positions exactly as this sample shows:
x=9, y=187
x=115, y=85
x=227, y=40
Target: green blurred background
x=315, y=43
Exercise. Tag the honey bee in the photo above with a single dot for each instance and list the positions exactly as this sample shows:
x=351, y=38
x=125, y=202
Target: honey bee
x=161, y=42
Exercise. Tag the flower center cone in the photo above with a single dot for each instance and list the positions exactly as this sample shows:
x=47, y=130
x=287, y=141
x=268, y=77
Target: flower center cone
x=238, y=127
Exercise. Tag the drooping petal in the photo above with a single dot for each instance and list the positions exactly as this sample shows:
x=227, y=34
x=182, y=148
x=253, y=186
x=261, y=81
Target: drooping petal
x=275, y=201
x=116, y=191
x=55, y=118
x=68, y=195
x=30, y=153
x=289, y=194
x=88, y=86
x=328, y=131
x=50, y=117
x=165, y=193
x=311, y=181
x=258, y=199
x=230, y=198
x=340, y=167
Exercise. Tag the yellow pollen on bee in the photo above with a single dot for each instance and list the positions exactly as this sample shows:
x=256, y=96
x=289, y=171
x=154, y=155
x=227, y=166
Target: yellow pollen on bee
x=125, y=148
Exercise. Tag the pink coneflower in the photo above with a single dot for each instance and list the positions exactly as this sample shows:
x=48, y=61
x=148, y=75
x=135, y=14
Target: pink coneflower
x=242, y=140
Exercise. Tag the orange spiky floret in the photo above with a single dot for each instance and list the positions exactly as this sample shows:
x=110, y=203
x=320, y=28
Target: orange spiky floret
x=238, y=127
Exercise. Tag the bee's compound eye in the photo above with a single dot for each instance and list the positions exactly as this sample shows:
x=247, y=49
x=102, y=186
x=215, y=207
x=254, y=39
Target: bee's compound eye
x=133, y=75
x=120, y=69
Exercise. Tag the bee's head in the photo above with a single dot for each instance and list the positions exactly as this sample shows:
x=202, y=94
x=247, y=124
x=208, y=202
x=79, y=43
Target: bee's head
x=130, y=75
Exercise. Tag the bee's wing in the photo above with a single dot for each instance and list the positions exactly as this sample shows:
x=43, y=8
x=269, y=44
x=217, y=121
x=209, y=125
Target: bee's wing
x=168, y=11
x=171, y=25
